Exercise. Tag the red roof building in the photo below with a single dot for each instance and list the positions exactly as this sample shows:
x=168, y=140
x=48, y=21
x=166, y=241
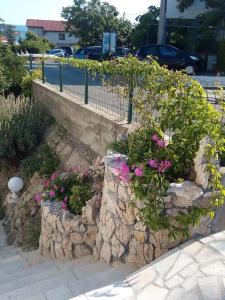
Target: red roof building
x=47, y=25
x=54, y=31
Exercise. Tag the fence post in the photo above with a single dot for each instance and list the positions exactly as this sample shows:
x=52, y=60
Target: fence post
x=86, y=87
x=31, y=61
x=130, y=105
x=43, y=70
x=61, y=76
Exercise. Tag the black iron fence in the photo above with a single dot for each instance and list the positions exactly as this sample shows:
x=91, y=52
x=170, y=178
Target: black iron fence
x=92, y=91
x=89, y=89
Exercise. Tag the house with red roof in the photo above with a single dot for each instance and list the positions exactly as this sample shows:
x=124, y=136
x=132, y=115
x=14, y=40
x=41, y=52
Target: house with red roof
x=54, y=31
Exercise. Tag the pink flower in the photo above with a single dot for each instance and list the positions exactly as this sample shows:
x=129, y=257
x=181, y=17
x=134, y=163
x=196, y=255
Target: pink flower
x=164, y=165
x=65, y=199
x=55, y=175
x=153, y=163
x=123, y=172
x=38, y=198
x=138, y=172
x=63, y=205
x=46, y=183
x=52, y=193
x=62, y=190
x=86, y=173
x=155, y=137
x=161, y=143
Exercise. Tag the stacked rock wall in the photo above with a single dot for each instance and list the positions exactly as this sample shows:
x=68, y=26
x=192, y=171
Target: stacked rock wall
x=66, y=235
x=123, y=238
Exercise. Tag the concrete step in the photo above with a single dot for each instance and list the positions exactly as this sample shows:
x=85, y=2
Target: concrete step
x=40, y=272
x=49, y=279
x=212, y=288
x=25, y=292
x=104, y=278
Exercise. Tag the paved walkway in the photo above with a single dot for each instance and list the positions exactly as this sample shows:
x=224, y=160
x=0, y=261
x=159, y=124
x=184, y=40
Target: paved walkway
x=194, y=271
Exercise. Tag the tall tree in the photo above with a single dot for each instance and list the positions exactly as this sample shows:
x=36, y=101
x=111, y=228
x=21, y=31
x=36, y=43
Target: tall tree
x=146, y=29
x=88, y=19
x=35, y=44
x=10, y=33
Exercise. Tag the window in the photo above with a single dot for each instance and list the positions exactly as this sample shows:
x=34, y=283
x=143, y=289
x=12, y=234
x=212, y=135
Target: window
x=151, y=51
x=62, y=36
x=168, y=52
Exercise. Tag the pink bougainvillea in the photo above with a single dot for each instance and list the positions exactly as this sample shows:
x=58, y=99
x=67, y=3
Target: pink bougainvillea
x=138, y=172
x=38, y=198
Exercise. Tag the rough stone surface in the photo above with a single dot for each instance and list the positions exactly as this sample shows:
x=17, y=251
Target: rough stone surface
x=185, y=193
x=23, y=217
x=122, y=237
x=202, y=176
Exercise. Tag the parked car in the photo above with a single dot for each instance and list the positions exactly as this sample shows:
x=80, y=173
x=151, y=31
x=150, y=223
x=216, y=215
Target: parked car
x=171, y=57
x=95, y=53
x=68, y=51
x=84, y=53
x=57, y=52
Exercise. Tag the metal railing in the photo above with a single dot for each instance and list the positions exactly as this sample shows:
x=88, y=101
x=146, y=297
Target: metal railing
x=91, y=90
x=86, y=87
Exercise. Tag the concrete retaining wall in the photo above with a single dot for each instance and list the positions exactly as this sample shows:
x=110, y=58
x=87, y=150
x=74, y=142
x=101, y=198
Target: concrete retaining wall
x=90, y=126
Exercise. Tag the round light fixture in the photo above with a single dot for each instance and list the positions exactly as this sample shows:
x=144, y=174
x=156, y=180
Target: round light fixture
x=15, y=185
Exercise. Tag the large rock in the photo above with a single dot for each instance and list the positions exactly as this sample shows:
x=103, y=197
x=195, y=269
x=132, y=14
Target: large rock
x=200, y=164
x=185, y=193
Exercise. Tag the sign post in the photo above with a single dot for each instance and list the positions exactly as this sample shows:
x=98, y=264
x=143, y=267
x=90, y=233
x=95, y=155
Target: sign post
x=109, y=42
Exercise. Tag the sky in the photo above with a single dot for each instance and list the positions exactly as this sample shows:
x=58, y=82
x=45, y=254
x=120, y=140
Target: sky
x=17, y=11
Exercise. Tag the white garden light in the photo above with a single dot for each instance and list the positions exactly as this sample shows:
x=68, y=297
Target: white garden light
x=15, y=185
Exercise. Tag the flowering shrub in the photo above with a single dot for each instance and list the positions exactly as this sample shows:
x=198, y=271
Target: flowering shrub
x=72, y=190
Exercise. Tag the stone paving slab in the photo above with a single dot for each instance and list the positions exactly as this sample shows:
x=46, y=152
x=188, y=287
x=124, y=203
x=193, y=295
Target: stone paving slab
x=193, y=271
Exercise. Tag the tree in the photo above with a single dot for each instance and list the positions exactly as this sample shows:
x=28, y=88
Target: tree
x=145, y=31
x=10, y=33
x=35, y=44
x=12, y=71
x=88, y=19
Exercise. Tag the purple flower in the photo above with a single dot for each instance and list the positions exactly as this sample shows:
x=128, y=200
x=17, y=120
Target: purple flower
x=138, y=172
x=65, y=199
x=38, y=198
x=155, y=137
x=161, y=143
x=153, y=163
x=52, y=193
x=122, y=170
x=62, y=190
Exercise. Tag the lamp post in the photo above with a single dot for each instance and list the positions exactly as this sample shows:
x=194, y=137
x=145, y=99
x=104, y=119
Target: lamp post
x=15, y=185
x=162, y=23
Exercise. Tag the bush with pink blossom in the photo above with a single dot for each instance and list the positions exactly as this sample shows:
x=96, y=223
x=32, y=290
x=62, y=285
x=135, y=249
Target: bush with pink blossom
x=71, y=189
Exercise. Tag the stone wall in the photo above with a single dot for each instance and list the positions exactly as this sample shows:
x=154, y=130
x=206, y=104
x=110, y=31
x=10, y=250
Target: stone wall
x=123, y=238
x=66, y=235
x=23, y=217
x=87, y=124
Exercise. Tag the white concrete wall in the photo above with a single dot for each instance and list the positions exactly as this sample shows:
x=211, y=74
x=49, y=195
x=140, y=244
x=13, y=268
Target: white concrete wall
x=173, y=12
x=54, y=37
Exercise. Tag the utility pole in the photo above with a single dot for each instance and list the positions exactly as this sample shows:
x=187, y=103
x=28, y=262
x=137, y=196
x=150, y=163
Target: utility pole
x=162, y=23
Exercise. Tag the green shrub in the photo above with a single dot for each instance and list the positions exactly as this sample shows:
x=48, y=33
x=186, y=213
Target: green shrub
x=80, y=194
x=27, y=82
x=22, y=125
x=44, y=161
x=13, y=69
x=72, y=190
x=120, y=146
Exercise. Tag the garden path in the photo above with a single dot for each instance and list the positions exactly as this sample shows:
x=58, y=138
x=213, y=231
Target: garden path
x=194, y=271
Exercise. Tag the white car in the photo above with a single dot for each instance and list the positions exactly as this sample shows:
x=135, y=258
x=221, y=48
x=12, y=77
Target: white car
x=57, y=52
